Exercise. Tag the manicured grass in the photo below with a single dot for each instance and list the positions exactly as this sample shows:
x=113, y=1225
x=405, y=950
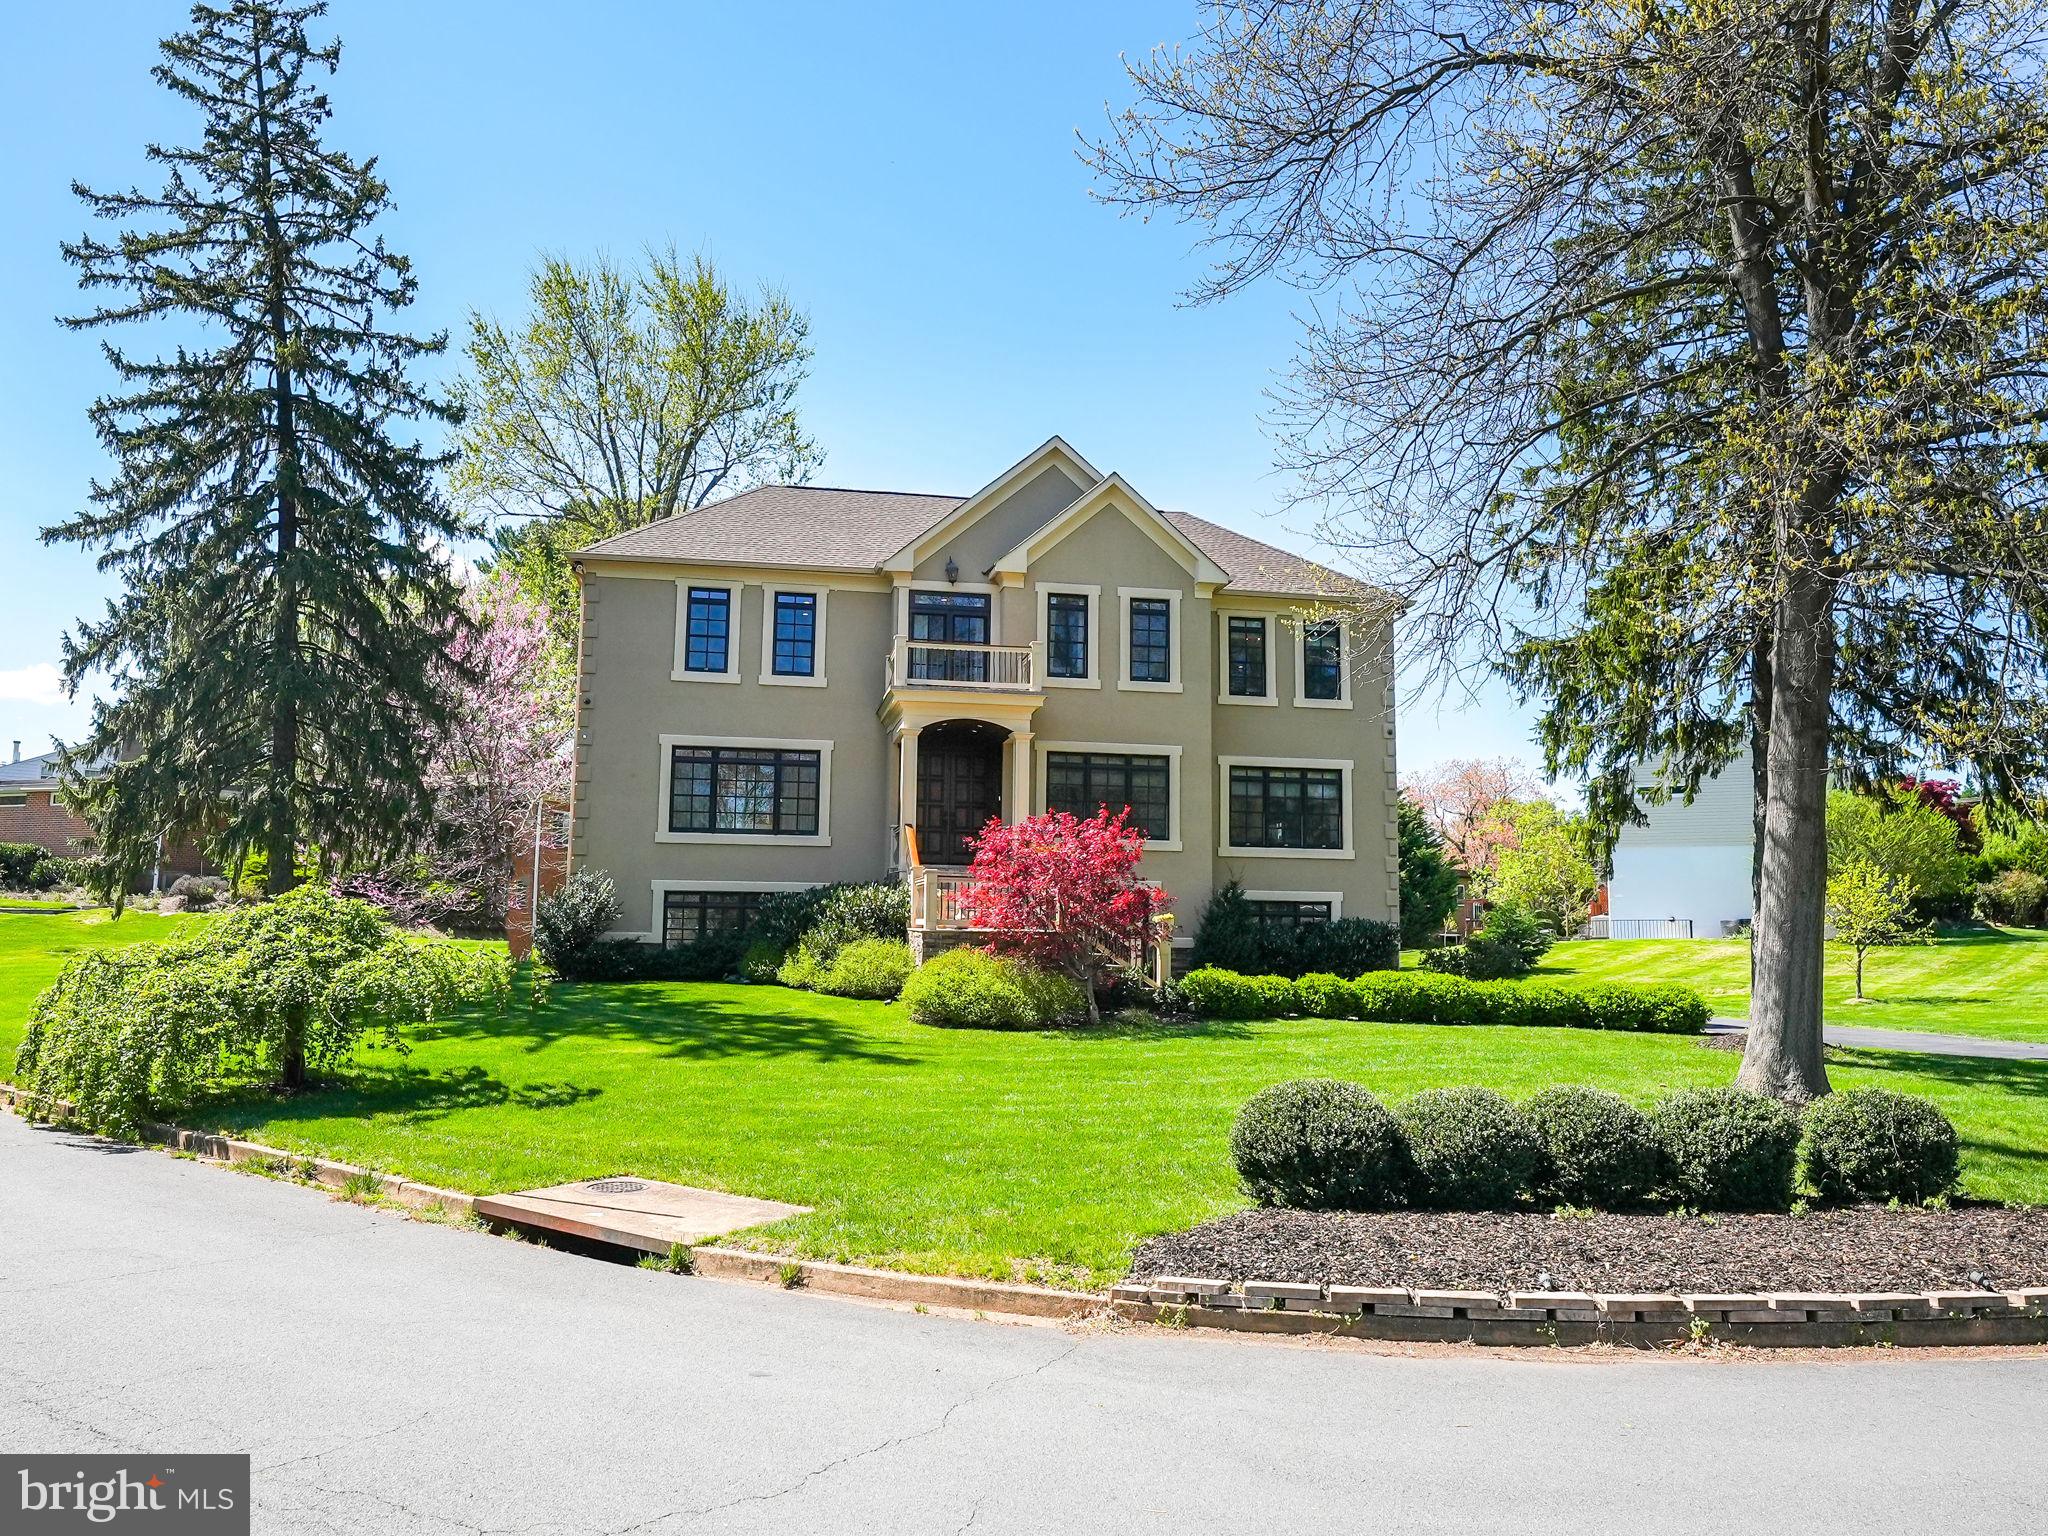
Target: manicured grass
x=1993, y=983
x=1044, y=1156
x=35, y=945
x=1039, y=1156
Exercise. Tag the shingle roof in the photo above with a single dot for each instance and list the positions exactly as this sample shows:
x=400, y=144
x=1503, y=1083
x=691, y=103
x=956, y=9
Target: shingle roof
x=30, y=770
x=823, y=527
x=804, y=525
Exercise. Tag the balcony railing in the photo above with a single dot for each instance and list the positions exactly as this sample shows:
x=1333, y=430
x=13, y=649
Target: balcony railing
x=943, y=664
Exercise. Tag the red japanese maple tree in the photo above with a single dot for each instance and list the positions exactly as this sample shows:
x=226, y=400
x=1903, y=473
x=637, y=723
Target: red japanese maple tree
x=1063, y=893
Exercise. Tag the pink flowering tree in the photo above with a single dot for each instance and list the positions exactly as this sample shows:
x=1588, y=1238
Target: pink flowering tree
x=1063, y=893
x=504, y=755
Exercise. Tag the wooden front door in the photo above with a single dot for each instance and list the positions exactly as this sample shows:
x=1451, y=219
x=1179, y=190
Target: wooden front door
x=959, y=788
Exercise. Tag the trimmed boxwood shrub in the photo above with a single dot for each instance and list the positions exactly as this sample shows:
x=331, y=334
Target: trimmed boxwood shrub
x=973, y=989
x=1471, y=1149
x=1318, y=1144
x=1726, y=1149
x=1323, y=996
x=872, y=968
x=1874, y=1144
x=1210, y=993
x=1598, y=1149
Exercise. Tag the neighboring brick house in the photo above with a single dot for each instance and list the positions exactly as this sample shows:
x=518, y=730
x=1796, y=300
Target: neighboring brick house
x=32, y=810
x=801, y=685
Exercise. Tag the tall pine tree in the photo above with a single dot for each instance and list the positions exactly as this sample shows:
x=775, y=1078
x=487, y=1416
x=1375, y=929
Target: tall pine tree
x=280, y=544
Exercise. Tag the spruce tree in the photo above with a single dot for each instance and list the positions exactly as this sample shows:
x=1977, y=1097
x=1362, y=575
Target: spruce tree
x=276, y=528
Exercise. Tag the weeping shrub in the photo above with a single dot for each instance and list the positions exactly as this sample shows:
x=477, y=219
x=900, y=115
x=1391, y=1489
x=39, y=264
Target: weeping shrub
x=290, y=986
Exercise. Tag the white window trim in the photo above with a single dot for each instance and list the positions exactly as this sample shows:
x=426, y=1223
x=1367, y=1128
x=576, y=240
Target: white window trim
x=1334, y=898
x=1301, y=698
x=995, y=609
x=1094, y=595
x=1225, y=847
x=735, y=592
x=770, y=591
x=656, y=929
x=1173, y=640
x=1170, y=750
x=822, y=838
x=1223, y=694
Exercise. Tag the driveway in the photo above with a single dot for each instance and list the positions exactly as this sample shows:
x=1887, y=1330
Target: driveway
x=1863, y=1038
x=395, y=1377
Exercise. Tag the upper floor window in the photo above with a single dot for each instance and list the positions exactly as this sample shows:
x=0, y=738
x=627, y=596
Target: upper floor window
x=795, y=641
x=14, y=800
x=1286, y=807
x=949, y=633
x=767, y=791
x=1066, y=634
x=707, y=639
x=1246, y=659
x=1151, y=640
x=1081, y=783
x=1322, y=661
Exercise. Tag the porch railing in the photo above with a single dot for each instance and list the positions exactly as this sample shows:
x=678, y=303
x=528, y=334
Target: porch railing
x=943, y=664
x=935, y=900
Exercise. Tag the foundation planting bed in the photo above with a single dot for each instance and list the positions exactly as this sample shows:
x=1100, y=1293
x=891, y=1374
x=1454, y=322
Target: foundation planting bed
x=1856, y=1249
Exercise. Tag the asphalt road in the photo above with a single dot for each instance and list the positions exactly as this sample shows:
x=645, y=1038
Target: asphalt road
x=1863, y=1038
x=395, y=1377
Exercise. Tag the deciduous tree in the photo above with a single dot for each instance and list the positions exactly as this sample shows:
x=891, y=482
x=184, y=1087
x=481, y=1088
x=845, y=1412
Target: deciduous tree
x=1690, y=363
x=1867, y=907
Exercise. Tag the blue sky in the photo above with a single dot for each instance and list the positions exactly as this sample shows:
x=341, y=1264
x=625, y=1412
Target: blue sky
x=908, y=174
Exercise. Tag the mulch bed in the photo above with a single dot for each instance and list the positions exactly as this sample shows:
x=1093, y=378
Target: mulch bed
x=1861, y=1248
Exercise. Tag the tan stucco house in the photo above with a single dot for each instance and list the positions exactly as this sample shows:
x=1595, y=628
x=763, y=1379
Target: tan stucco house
x=801, y=684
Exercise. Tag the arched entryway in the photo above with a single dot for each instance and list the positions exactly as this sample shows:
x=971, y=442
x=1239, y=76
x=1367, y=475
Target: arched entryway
x=959, y=787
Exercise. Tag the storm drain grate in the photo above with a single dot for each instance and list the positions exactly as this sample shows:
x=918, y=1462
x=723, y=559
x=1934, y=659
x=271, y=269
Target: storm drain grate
x=614, y=1186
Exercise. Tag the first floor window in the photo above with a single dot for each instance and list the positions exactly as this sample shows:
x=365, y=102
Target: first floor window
x=687, y=916
x=1151, y=657
x=759, y=790
x=1066, y=638
x=1247, y=657
x=1322, y=660
x=796, y=634
x=1082, y=783
x=1271, y=913
x=710, y=630
x=1286, y=807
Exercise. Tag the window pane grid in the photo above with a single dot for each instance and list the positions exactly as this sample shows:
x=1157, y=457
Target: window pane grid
x=761, y=791
x=687, y=916
x=1151, y=637
x=1286, y=807
x=1322, y=661
x=1066, y=641
x=1289, y=914
x=950, y=618
x=709, y=630
x=1247, y=658
x=796, y=633
x=1081, y=783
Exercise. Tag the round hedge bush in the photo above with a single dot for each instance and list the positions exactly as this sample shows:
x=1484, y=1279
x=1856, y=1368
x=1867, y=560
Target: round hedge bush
x=1212, y=993
x=1598, y=1149
x=1322, y=995
x=1727, y=1150
x=871, y=968
x=1874, y=1144
x=1317, y=1144
x=1471, y=1149
x=973, y=989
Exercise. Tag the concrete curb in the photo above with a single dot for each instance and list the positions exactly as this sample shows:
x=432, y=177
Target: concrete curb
x=1798, y=1320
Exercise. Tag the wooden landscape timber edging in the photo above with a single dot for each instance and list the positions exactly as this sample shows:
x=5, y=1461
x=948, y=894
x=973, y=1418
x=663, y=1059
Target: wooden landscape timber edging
x=1801, y=1320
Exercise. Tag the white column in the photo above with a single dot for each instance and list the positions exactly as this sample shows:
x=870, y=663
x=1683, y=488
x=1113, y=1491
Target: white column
x=906, y=789
x=1020, y=775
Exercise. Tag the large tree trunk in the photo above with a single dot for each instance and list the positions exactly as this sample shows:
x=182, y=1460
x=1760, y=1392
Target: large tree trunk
x=1783, y=1057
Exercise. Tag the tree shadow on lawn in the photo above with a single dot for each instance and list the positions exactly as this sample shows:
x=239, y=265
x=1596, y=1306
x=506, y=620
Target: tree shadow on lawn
x=781, y=1023
x=407, y=1092
x=2019, y=1077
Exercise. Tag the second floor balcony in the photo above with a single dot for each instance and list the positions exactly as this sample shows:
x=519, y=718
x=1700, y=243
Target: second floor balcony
x=951, y=664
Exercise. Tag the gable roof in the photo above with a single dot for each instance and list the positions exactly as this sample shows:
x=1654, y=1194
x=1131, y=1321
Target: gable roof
x=1146, y=517
x=814, y=527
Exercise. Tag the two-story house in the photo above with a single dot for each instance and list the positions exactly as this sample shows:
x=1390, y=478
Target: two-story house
x=800, y=685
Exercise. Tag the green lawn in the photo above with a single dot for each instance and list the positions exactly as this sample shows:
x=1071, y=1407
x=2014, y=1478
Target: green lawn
x=1993, y=983
x=35, y=945
x=1042, y=1156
